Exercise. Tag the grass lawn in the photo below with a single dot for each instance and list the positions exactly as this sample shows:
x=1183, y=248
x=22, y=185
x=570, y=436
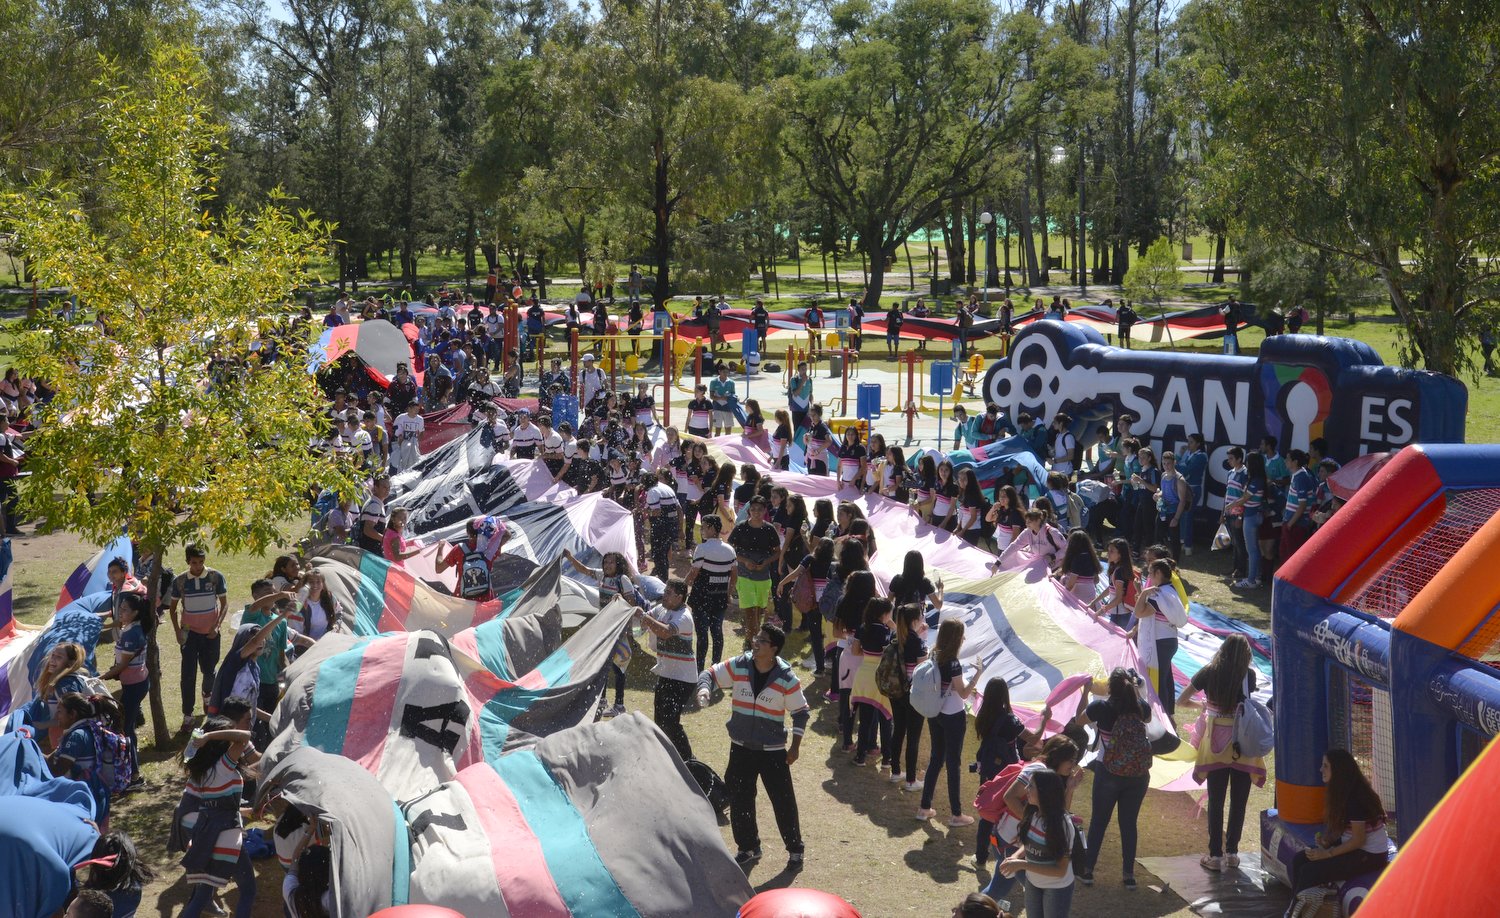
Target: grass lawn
x=862, y=841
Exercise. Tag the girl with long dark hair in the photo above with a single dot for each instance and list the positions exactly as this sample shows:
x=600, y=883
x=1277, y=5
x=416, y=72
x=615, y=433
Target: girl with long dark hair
x=1006, y=515
x=894, y=476
x=1225, y=682
x=944, y=498
x=925, y=487
x=906, y=723
x=781, y=441
x=1046, y=853
x=1079, y=567
x=849, y=615
x=1001, y=736
x=1147, y=481
x=1118, y=599
x=947, y=728
x=1123, y=772
x=971, y=507
x=873, y=707
x=1253, y=513
x=912, y=585
x=1158, y=614
x=818, y=566
x=1353, y=841
x=822, y=524
x=137, y=624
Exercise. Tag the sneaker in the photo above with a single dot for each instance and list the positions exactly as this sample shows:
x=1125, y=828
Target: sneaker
x=885, y=764
x=794, y=862
x=961, y=820
x=1208, y=862
x=1129, y=883
x=809, y=663
x=819, y=673
x=1242, y=584
x=747, y=857
x=924, y=815
x=615, y=711
x=830, y=697
x=860, y=761
x=896, y=777
x=1087, y=879
x=912, y=786
x=1231, y=860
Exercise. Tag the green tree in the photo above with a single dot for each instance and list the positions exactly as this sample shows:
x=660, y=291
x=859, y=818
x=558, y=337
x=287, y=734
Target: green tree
x=641, y=97
x=165, y=417
x=1154, y=276
x=889, y=162
x=1371, y=131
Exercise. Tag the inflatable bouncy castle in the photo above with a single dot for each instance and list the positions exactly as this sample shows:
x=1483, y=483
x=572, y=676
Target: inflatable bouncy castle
x=1387, y=632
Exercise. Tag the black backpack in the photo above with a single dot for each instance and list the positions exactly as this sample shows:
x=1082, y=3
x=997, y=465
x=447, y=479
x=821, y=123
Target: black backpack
x=712, y=785
x=474, y=574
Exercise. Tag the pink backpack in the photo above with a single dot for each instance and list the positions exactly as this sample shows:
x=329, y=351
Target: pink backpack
x=991, y=800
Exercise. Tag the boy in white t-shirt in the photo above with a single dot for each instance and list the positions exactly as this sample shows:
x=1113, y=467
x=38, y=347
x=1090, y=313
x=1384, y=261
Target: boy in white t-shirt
x=670, y=624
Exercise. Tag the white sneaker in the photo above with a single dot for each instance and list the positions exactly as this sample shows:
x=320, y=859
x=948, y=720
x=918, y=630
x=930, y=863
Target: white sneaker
x=913, y=786
x=808, y=663
x=895, y=777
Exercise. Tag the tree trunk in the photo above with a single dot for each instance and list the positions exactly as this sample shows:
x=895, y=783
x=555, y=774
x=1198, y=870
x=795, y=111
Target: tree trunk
x=1028, y=240
x=1045, y=266
x=991, y=263
x=953, y=237
x=971, y=233
x=160, y=735
x=661, y=233
x=874, y=253
x=1219, y=246
x=471, y=237
x=1081, y=260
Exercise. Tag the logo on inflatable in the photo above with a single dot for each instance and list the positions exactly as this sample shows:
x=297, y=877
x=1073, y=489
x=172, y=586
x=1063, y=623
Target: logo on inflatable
x=1299, y=388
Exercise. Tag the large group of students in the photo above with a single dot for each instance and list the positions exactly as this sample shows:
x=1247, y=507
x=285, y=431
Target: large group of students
x=728, y=542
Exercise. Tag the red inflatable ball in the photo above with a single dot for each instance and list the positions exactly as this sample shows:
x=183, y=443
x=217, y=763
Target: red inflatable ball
x=797, y=903
x=417, y=911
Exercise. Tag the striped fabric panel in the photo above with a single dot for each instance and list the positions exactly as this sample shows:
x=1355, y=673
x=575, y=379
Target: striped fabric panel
x=333, y=699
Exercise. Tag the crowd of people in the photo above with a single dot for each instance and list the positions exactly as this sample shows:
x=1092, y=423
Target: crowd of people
x=1110, y=523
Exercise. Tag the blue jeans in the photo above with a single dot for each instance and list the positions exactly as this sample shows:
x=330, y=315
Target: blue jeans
x=947, y=731
x=1112, y=791
x=1185, y=525
x=1000, y=885
x=1048, y=903
x=1252, y=544
x=131, y=697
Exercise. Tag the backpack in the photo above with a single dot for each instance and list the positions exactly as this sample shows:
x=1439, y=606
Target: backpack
x=828, y=603
x=92, y=685
x=990, y=804
x=474, y=575
x=112, y=766
x=1128, y=752
x=804, y=594
x=890, y=675
x=1254, y=728
x=711, y=784
x=927, y=689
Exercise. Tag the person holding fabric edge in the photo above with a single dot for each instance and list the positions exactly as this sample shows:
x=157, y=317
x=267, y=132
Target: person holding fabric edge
x=1123, y=773
x=670, y=624
x=764, y=692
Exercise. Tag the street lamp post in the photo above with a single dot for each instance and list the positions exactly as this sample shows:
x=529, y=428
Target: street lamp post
x=988, y=219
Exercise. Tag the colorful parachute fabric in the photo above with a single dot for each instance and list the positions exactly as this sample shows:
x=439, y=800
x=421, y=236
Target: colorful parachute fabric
x=1183, y=325
x=45, y=831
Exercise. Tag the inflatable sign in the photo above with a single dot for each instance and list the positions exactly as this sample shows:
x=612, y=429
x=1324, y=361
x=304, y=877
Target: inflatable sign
x=1299, y=388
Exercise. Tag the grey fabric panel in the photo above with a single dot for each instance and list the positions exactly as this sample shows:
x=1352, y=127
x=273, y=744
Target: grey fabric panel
x=654, y=830
x=359, y=815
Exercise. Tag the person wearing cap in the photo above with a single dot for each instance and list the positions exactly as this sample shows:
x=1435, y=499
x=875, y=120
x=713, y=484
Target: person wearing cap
x=591, y=381
x=526, y=437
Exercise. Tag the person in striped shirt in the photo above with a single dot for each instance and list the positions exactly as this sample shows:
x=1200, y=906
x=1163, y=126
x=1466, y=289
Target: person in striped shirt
x=670, y=626
x=711, y=579
x=525, y=438
x=763, y=691
x=204, y=598
x=207, y=824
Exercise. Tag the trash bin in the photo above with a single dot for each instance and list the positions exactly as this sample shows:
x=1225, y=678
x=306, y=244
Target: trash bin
x=942, y=286
x=835, y=365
